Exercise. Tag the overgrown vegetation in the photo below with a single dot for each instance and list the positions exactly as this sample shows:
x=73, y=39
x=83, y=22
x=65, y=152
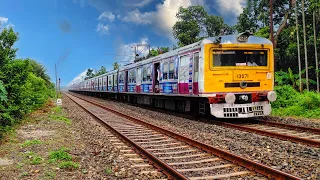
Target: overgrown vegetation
x=292, y=103
x=24, y=83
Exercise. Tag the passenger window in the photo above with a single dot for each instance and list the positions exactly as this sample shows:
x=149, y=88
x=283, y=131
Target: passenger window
x=149, y=74
x=183, y=60
x=144, y=74
x=165, y=70
x=171, y=70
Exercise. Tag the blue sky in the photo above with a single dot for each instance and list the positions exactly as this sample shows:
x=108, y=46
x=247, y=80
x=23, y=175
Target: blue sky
x=77, y=34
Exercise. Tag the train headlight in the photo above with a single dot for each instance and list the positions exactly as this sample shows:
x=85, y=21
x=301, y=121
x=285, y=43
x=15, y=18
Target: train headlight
x=272, y=96
x=230, y=98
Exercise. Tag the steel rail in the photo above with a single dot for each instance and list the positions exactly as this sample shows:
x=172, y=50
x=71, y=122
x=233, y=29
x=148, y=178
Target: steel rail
x=159, y=164
x=289, y=126
x=268, y=133
x=241, y=161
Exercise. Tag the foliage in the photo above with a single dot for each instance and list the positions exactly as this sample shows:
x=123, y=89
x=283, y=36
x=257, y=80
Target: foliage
x=39, y=70
x=3, y=93
x=292, y=103
x=7, y=39
x=24, y=83
x=255, y=17
x=57, y=109
x=194, y=24
x=60, y=118
x=90, y=73
x=30, y=143
x=60, y=154
x=68, y=165
x=115, y=66
x=289, y=78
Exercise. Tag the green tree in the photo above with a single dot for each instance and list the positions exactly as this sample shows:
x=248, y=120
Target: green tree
x=3, y=93
x=24, y=83
x=39, y=70
x=247, y=20
x=115, y=66
x=90, y=73
x=256, y=15
x=7, y=39
x=102, y=70
x=194, y=24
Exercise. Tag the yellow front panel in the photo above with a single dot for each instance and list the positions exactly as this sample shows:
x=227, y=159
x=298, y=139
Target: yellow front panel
x=222, y=78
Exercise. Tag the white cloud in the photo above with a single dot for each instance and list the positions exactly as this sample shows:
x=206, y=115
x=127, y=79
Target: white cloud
x=163, y=18
x=79, y=78
x=3, y=20
x=107, y=16
x=140, y=4
x=234, y=7
x=104, y=29
x=139, y=18
x=127, y=51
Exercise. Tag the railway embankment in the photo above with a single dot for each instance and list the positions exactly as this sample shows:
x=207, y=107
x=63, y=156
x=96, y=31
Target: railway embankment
x=63, y=143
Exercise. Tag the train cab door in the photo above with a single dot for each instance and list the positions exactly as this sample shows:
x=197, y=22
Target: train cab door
x=195, y=86
x=156, y=77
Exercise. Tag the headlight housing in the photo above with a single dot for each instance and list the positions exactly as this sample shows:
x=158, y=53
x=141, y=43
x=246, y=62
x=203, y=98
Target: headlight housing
x=272, y=96
x=230, y=98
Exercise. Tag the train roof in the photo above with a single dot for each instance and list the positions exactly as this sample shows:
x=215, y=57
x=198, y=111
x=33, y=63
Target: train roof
x=233, y=39
x=224, y=39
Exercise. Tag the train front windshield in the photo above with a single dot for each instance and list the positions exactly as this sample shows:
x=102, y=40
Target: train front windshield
x=240, y=58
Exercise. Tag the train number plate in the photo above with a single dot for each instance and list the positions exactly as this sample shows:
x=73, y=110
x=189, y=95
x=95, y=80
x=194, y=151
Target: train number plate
x=242, y=76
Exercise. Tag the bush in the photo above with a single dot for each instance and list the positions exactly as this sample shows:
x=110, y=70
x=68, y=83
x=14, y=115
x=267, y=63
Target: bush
x=292, y=103
x=24, y=84
x=286, y=96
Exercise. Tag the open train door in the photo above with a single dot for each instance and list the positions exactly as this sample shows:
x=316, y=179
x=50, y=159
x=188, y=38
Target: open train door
x=156, y=77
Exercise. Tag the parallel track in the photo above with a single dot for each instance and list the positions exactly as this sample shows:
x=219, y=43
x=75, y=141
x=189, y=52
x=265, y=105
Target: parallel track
x=305, y=135
x=177, y=156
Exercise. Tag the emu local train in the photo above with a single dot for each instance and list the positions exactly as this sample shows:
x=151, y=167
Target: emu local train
x=230, y=76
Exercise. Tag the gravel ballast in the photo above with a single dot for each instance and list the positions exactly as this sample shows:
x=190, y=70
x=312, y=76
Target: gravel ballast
x=297, y=159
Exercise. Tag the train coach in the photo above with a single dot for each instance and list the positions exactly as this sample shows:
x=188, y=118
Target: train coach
x=229, y=76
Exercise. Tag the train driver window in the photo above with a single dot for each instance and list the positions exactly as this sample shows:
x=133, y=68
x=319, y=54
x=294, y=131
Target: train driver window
x=165, y=70
x=240, y=58
x=171, y=70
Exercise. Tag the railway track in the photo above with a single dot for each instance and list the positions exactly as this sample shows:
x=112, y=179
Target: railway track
x=305, y=135
x=177, y=156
